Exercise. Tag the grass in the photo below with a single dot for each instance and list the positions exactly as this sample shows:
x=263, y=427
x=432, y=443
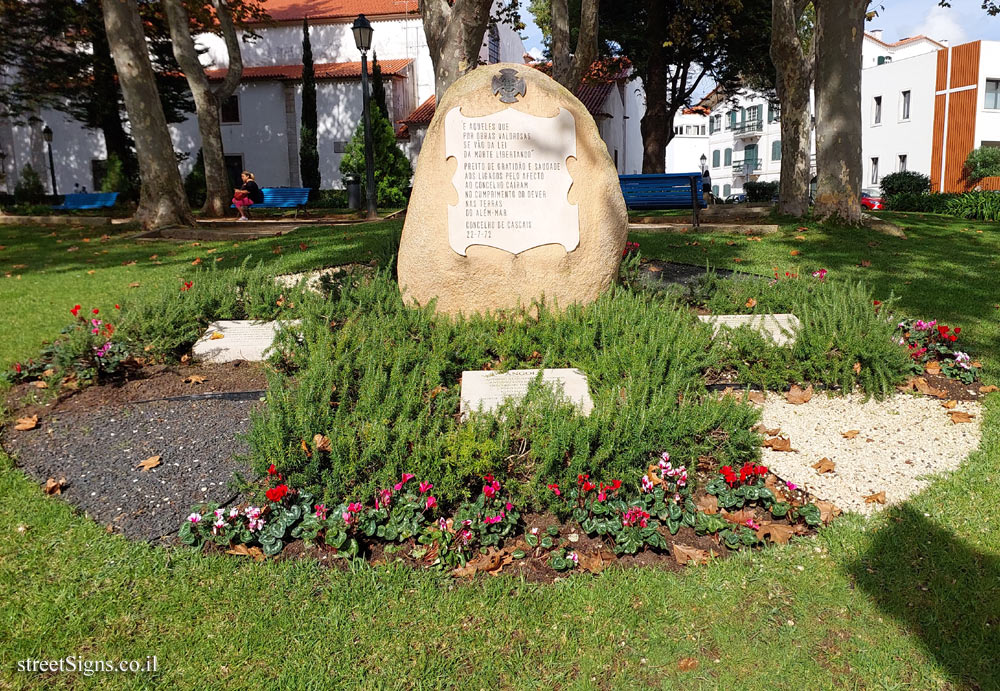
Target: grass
x=908, y=599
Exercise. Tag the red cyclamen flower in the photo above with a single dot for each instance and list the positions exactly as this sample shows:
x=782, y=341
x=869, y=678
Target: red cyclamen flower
x=76, y=310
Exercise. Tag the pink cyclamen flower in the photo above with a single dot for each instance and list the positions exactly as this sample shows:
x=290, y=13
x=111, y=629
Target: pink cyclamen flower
x=646, y=484
x=508, y=506
x=348, y=518
x=465, y=535
x=490, y=520
x=382, y=498
x=354, y=507
x=406, y=478
x=555, y=489
x=195, y=518
x=426, y=487
x=602, y=495
x=218, y=526
x=321, y=511
x=820, y=274
x=430, y=503
x=791, y=486
x=442, y=524
x=751, y=523
x=534, y=531
x=573, y=557
x=489, y=491
x=234, y=512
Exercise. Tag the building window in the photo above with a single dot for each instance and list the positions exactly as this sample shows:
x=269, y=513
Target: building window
x=716, y=157
x=877, y=111
x=701, y=130
x=493, y=45
x=874, y=171
x=711, y=125
x=732, y=120
x=776, y=150
x=902, y=163
x=234, y=169
x=773, y=112
x=906, y=105
x=726, y=190
x=98, y=171
x=728, y=157
x=715, y=190
x=884, y=59
x=993, y=94
x=230, y=110
x=718, y=123
x=339, y=147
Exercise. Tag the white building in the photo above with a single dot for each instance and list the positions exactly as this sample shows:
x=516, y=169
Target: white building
x=690, y=141
x=261, y=122
x=925, y=106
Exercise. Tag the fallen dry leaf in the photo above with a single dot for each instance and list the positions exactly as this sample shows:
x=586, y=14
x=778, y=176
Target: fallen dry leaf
x=761, y=429
x=780, y=533
x=244, y=551
x=708, y=503
x=52, y=486
x=687, y=664
x=949, y=404
x=26, y=423
x=194, y=379
x=196, y=262
x=655, y=269
x=305, y=449
x=751, y=303
x=920, y=385
x=134, y=285
x=865, y=263
x=40, y=384
x=878, y=498
x=827, y=511
x=595, y=562
x=738, y=517
x=756, y=397
x=322, y=443
x=795, y=253
x=933, y=367
x=216, y=335
x=778, y=444
x=797, y=396
x=988, y=389
x=851, y=433
x=149, y=463
x=824, y=465
x=684, y=554
x=492, y=563
x=957, y=416
x=800, y=237
x=857, y=368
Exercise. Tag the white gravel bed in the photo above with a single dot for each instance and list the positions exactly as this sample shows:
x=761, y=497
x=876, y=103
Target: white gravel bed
x=902, y=441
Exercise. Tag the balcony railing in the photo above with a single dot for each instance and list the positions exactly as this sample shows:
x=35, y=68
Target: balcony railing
x=751, y=128
x=747, y=167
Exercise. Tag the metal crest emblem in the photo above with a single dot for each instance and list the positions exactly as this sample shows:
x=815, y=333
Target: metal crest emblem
x=508, y=85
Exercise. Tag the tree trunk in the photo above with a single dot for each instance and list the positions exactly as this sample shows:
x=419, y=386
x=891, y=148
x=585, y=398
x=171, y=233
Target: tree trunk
x=840, y=28
x=794, y=82
x=161, y=202
x=207, y=101
x=454, y=35
x=569, y=68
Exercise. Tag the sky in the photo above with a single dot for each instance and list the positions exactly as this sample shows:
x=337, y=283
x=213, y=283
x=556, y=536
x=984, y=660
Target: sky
x=964, y=21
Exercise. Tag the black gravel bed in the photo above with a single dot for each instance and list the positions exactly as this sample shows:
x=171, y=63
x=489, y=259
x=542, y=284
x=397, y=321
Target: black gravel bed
x=98, y=451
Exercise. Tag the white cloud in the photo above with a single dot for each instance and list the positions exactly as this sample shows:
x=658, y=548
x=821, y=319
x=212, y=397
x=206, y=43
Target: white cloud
x=942, y=23
x=536, y=53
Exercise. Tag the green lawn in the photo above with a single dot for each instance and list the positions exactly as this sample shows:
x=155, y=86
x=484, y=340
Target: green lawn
x=910, y=599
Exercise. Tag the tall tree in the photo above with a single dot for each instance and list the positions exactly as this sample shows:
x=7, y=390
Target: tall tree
x=570, y=66
x=162, y=201
x=208, y=100
x=792, y=51
x=840, y=26
x=454, y=30
x=309, y=142
x=378, y=86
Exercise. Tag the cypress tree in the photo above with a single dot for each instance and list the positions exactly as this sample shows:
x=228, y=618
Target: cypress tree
x=308, y=144
x=378, y=88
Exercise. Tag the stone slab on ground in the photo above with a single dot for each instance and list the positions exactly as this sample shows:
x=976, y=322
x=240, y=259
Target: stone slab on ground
x=488, y=390
x=98, y=451
x=732, y=228
x=55, y=220
x=901, y=443
x=780, y=327
x=241, y=340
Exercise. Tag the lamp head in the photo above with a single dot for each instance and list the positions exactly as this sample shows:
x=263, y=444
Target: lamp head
x=362, y=30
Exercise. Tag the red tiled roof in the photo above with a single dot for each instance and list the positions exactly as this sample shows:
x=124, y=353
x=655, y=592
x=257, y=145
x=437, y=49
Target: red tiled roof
x=324, y=70
x=422, y=114
x=904, y=41
x=593, y=97
x=297, y=10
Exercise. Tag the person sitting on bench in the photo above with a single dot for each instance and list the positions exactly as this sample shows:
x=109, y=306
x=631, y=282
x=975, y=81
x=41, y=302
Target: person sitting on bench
x=247, y=195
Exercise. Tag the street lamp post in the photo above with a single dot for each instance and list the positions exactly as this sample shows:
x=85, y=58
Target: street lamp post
x=47, y=135
x=362, y=29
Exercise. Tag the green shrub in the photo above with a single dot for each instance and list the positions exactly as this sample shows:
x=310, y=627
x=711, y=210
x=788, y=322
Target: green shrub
x=905, y=182
x=328, y=199
x=758, y=192
x=923, y=203
x=392, y=168
x=29, y=188
x=382, y=384
x=983, y=206
x=982, y=163
x=195, y=186
x=115, y=179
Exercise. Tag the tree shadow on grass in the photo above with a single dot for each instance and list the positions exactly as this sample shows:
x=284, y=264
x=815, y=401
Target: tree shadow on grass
x=941, y=590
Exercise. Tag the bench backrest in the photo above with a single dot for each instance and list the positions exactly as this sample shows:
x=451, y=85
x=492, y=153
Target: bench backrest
x=89, y=200
x=670, y=191
x=283, y=197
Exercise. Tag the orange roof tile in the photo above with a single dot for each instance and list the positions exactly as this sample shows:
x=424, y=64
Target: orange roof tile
x=422, y=114
x=904, y=41
x=324, y=70
x=297, y=10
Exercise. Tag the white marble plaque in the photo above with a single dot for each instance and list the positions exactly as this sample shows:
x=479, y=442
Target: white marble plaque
x=780, y=327
x=240, y=340
x=512, y=180
x=488, y=390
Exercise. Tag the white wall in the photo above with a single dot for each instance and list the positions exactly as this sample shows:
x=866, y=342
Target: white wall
x=894, y=136
x=686, y=148
x=988, y=121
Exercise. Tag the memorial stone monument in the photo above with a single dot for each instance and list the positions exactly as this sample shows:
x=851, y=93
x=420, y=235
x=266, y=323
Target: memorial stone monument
x=515, y=198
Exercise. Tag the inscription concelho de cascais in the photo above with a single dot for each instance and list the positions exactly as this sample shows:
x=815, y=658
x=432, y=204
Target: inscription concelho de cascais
x=512, y=180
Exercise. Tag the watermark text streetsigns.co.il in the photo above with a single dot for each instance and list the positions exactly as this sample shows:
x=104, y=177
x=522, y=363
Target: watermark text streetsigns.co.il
x=86, y=666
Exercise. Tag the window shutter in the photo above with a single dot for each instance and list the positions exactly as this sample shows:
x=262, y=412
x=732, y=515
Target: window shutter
x=776, y=150
x=715, y=158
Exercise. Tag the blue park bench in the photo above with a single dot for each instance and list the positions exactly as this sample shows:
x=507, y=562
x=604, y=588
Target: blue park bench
x=283, y=198
x=87, y=200
x=670, y=191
